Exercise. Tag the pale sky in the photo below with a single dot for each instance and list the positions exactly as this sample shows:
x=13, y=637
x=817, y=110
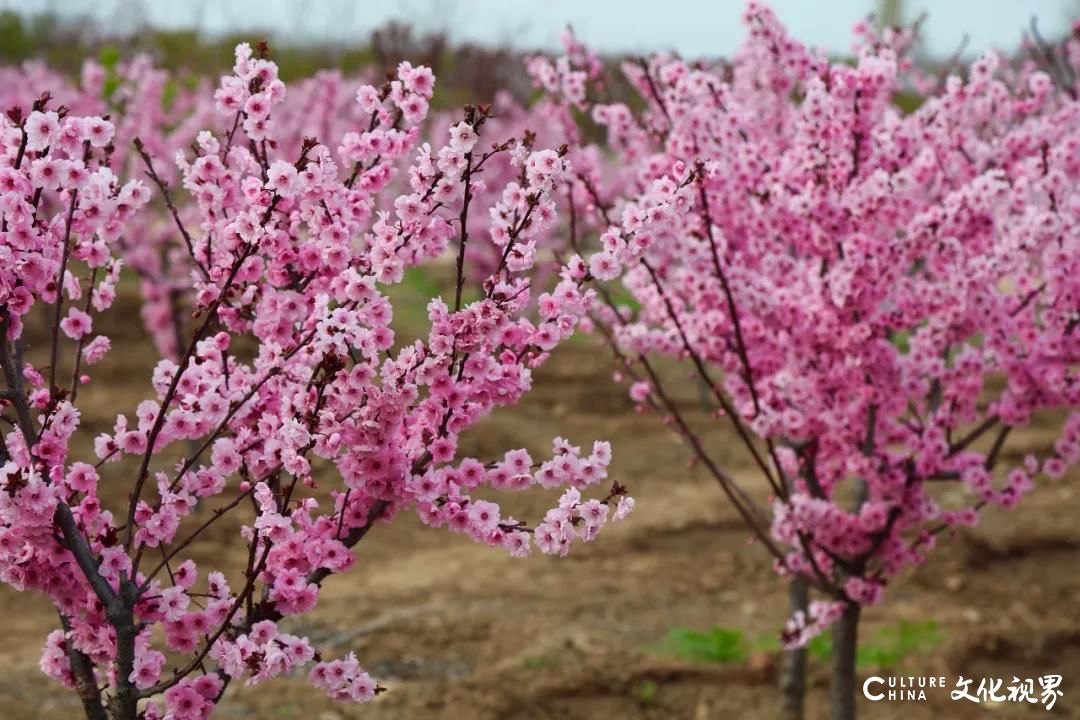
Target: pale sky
x=691, y=27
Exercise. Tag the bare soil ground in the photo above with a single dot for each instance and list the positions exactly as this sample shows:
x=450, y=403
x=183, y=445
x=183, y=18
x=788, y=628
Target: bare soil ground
x=462, y=632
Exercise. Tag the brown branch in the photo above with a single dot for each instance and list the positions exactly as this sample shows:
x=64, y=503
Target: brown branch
x=654, y=91
x=980, y=430
x=163, y=187
x=703, y=372
x=60, y=291
x=463, y=221
x=734, y=493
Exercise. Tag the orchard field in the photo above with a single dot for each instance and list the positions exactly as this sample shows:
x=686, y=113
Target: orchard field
x=460, y=633
x=407, y=381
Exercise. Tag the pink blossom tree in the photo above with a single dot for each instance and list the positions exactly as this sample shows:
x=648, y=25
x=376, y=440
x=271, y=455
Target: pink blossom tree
x=291, y=368
x=873, y=299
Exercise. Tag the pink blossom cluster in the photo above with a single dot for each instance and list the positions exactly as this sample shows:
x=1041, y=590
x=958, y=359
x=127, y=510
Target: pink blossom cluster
x=873, y=297
x=291, y=367
x=167, y=113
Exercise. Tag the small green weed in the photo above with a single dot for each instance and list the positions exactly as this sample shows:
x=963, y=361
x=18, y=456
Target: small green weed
x=887, y=649
x=719, y=645
x=646, y=692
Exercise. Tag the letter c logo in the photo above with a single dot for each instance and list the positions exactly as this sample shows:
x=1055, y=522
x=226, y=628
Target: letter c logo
x=866, y=688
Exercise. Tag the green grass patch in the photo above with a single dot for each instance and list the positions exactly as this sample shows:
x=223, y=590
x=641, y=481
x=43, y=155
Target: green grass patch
x=886, y=649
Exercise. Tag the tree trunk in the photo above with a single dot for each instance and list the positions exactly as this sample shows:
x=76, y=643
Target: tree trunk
x=845, y=643
x=793, y=672
x=125, y=700
x=82, y=671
